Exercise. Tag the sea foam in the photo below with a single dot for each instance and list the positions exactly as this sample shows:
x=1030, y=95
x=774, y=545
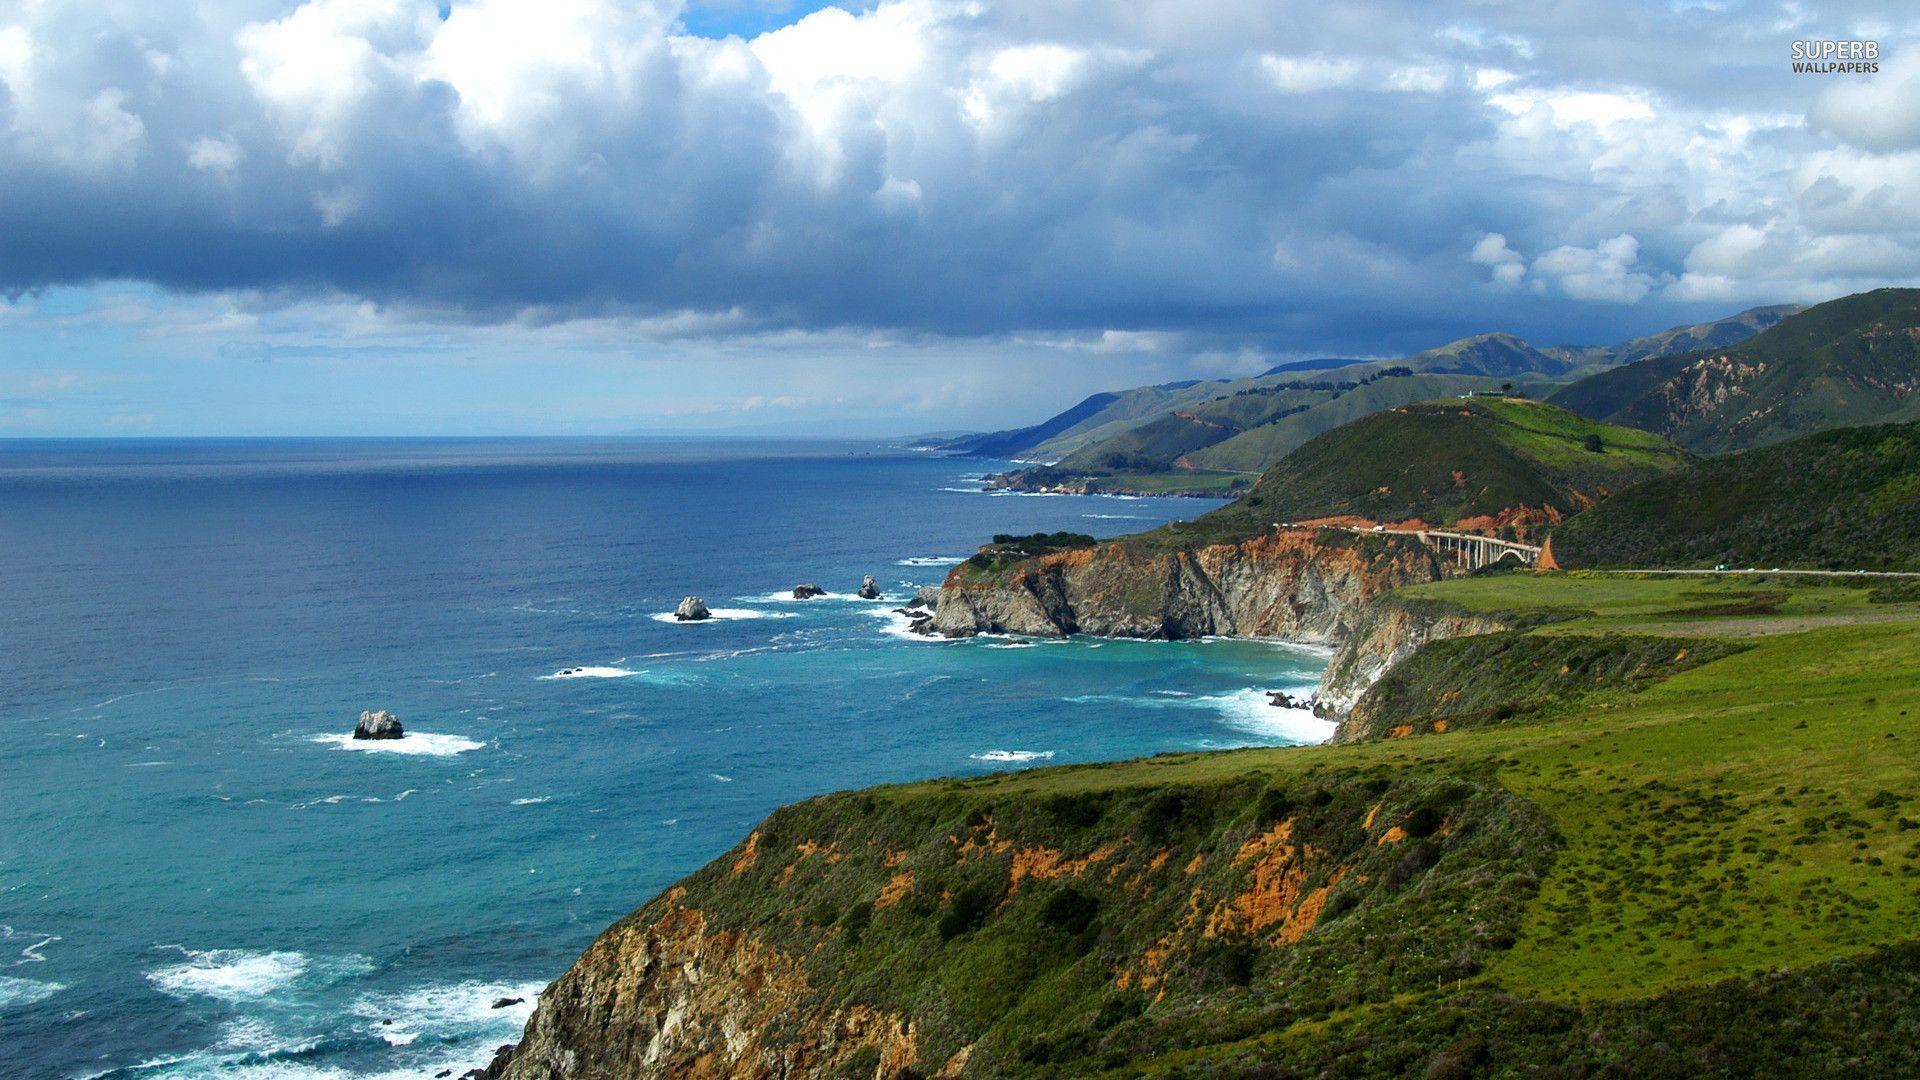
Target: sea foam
x=19, y=993
x=1250, y=711
x=1013, y=755
x=591, y=672
x=413, y=743
x=448, y=1011
x=243, y=974
x=721, y=614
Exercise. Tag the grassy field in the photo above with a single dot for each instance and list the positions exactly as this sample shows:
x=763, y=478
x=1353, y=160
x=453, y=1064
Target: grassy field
x=1744, y=606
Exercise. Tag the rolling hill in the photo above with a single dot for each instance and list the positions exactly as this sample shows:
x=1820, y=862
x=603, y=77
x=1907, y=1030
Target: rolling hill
x=1855, y=360
x=1487, y=354
x=1482, y=464
x=1847, y=499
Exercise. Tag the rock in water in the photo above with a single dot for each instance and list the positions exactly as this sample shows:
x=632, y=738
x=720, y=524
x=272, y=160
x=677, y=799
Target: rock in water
x=378, y=725
x=692, y=609
x=869, y=590
x=807, y=592
x=501, y=1003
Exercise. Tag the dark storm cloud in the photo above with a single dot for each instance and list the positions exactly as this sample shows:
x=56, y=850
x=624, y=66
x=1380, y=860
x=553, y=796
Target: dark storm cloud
x=1289, y=177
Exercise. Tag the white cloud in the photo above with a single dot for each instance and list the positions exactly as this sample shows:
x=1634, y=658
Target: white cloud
x=85, y=129
x=1310, y=74
x=1880, y=113
x=1603, y=272
x=214, y=155
x=1507, y=265
x=320, y=66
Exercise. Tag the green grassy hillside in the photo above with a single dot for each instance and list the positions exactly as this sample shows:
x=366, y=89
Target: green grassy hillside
x=1162, y=442
x=1850, y=361
x=1448, y=461
x=1260, y=448
x=1708, y=869
x=1218, y=446
x=1486, y=354
x=1841, y=500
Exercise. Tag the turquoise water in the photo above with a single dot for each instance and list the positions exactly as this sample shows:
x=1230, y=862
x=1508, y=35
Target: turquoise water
x=199, y=876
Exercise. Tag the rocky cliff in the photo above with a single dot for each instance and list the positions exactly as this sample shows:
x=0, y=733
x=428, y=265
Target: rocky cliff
x=1387, y=634
x=992, y=928
x=1300, y=585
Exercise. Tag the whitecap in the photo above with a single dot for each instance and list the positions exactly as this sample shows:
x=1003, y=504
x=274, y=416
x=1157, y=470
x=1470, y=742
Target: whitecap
x=448, y=1011
x=242, y=974
x=931, y=560
x=788, y=598
x=721, y=614
x=1013, y=645
x=721, y=779
x=535, y=801
x=19, y=993
x=1116, y=517
x=1013, y=755
x=591, y=672
x=901, y=626
x=413, y=743
x=1251, y=711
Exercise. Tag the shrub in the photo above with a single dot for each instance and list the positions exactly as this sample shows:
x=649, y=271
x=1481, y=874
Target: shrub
x=1070, y=909
x=966, y=911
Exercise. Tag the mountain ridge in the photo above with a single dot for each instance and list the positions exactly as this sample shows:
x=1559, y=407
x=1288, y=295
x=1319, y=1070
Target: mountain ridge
x=1855, y=360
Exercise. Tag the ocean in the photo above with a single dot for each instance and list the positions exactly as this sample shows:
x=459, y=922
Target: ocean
x=201, y=875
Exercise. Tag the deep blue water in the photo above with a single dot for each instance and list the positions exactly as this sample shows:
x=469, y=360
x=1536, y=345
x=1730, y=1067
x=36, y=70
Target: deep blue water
x=196, y=878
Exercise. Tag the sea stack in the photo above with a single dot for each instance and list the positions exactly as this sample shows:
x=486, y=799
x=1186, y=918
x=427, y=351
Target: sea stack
x=692, y=609
x=869, y=590
x=378, y=725
x=807, y=592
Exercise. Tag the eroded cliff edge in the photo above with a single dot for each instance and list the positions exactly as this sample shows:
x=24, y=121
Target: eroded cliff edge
x=1100, y=916
x=1304, y=585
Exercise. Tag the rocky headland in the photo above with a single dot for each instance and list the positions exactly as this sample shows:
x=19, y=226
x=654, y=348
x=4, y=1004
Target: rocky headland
x=1308, y=586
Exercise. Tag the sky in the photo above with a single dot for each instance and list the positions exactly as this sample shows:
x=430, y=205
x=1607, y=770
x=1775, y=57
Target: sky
x=361, y=217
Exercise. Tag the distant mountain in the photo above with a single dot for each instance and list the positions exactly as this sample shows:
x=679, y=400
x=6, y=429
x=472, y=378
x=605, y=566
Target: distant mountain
x=1847, y=499
x=1855, y=360
x=1008, y=444
x=1479, y=464
x=1719, y=334
x=1321, y=364
x=1486, y=354
x=1202, y=425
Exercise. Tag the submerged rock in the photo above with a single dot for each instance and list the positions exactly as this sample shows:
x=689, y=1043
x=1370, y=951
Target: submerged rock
x=1280, y=699
x=378, y=725
x=868, y=589
x=807, y=592
x=692, y=609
